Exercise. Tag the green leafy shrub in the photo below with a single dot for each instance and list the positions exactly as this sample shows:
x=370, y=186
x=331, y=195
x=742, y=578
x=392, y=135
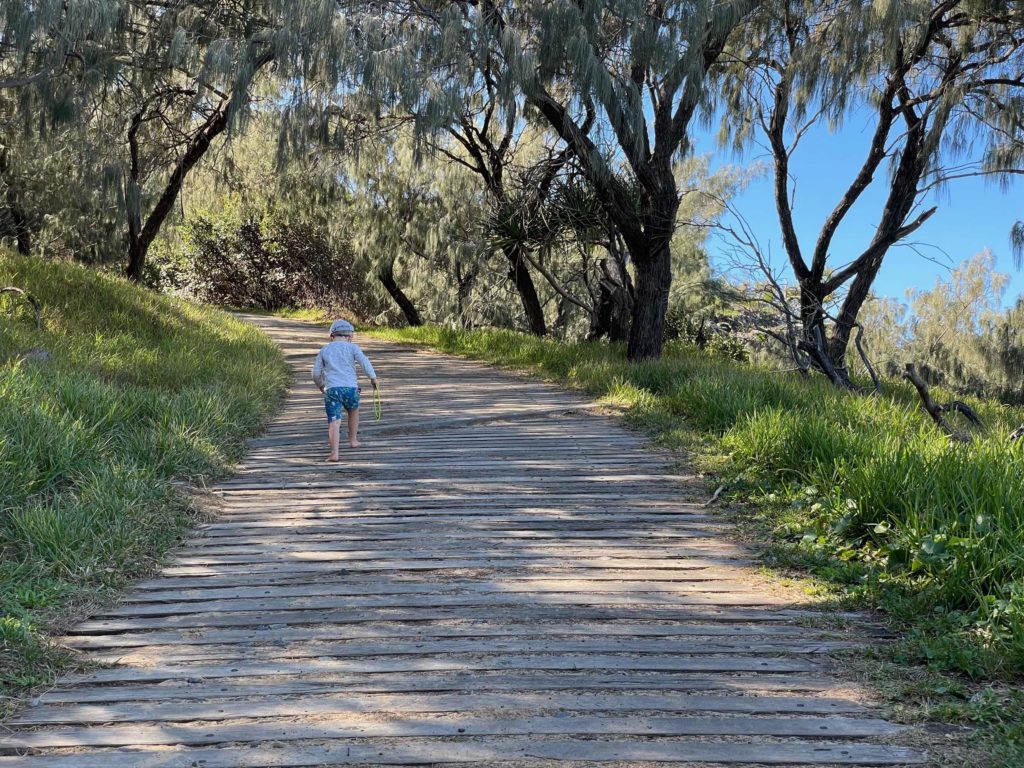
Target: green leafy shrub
x=268, y=263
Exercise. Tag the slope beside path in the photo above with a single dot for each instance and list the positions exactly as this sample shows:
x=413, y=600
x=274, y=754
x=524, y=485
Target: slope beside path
x=499, y=576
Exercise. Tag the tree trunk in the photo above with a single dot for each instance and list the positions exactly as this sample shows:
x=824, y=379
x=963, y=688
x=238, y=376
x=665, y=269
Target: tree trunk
x=519, y=274
x=614, y=302
x=19, y=221
x=386, y=275
x=140, y=241
x=842, y=332
x=653, y=281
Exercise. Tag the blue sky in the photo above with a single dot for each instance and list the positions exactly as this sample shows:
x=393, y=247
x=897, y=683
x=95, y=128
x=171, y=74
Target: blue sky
x=973, y=213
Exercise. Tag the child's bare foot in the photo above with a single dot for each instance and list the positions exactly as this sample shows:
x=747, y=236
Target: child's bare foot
x=355, y=444
x=332, y=459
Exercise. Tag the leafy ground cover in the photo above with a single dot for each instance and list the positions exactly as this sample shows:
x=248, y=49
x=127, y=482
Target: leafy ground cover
x=863, y=492
x=143, y=393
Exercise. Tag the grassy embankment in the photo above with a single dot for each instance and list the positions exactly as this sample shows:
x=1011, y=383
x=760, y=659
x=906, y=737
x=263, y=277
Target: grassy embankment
x=863, y=491
x=143, y=392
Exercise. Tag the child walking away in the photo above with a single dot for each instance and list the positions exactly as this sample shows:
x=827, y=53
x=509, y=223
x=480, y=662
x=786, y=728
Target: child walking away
x=334, y=371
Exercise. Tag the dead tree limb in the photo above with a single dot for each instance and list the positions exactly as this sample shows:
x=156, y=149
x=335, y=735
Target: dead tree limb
x=859, y=342
x=1018, y=433
x=935, y=410
x=37, y=308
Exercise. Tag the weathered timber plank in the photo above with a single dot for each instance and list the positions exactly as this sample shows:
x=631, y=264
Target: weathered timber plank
x=535, y=751
x=430, y=630
x=696, y=583
x=272, y=651
x=495, y=662
x=409, y=566
x=495, y=599
x=316, y=706
x=348, y=616
x=459, y=681
x=354, y=726
x=493, y=575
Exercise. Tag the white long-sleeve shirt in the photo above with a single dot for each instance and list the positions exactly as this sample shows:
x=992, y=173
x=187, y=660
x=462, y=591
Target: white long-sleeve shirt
x=335, y=365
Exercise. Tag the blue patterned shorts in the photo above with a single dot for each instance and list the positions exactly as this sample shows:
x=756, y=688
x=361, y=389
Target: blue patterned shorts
x=338, y=399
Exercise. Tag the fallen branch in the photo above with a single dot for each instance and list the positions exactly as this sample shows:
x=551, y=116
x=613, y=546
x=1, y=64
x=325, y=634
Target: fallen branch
x=1018, y=433
x=935, y=410
x=36, y=306
x=859, y=342
x=714, y=496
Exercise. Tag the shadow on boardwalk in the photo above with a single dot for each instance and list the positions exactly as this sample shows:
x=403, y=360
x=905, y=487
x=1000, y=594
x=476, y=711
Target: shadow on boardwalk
x=496, y=577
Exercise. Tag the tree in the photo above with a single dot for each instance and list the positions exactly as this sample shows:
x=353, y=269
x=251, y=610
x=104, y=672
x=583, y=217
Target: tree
x=414, y=218
x=51, y=66
x=488, y=138
x=43, y=42
x=935, y=79
x=166, y=79
x=640, y=68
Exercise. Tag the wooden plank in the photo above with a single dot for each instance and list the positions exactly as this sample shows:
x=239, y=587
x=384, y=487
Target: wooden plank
x=435, y=682
x=513, y=526
x=655, y=558
x=528, y=752
x=351, y=726
x=405, y=553
x=476, y=587
x=474, y=546
x=767, y=632
x=349, y=616
x=330, y=562
x=271, y=651
x=452, y=662
x=509, y=536
x=497, y=575
x=493, y=600
x=319, y=706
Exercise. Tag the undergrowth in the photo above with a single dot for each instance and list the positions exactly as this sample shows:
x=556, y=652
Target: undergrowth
x=865, y=491
x=142, y=393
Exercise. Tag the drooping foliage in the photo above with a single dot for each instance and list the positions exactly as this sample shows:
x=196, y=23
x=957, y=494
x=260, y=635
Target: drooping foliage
x=937, y=82
x=152, y=86
x=637, y=69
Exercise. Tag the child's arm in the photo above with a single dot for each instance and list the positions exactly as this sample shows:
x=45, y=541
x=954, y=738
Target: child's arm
x=367, y=367
x=318, y=371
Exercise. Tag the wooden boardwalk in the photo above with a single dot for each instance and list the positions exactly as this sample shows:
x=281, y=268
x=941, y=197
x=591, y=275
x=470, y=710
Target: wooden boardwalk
x=497, y=578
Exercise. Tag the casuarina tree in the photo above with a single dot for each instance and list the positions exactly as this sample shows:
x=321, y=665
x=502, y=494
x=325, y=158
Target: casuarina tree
x=938, y=83
x=639, y=67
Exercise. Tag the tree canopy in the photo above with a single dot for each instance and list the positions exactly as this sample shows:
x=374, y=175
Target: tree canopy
x=511, y=163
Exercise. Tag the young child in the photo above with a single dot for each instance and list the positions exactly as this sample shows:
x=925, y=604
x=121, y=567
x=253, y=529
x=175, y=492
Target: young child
x=334, y=371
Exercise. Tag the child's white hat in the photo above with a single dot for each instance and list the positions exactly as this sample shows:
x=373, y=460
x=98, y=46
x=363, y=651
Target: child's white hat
x=342, y=328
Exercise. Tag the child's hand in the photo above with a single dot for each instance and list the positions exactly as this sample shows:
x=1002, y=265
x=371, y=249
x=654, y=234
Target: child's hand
x=376, y=383
x=321, y=390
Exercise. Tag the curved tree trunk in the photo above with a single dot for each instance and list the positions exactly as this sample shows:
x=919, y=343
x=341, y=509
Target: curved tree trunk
x=519, y=274
x=141, y=236
x=386, y=275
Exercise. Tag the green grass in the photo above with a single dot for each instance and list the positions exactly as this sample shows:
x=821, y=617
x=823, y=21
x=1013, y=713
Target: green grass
x=143, y=392
x=864, y=491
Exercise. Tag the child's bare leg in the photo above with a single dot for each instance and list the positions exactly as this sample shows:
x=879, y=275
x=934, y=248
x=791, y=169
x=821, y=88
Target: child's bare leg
x=334, y=437
x=353, y=428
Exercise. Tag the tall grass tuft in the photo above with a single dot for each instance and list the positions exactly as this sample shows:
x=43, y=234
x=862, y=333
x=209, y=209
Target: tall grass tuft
x=865, y=487
x=142, y=390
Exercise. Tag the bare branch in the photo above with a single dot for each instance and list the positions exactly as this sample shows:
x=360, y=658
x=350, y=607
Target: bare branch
x=37, y=308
